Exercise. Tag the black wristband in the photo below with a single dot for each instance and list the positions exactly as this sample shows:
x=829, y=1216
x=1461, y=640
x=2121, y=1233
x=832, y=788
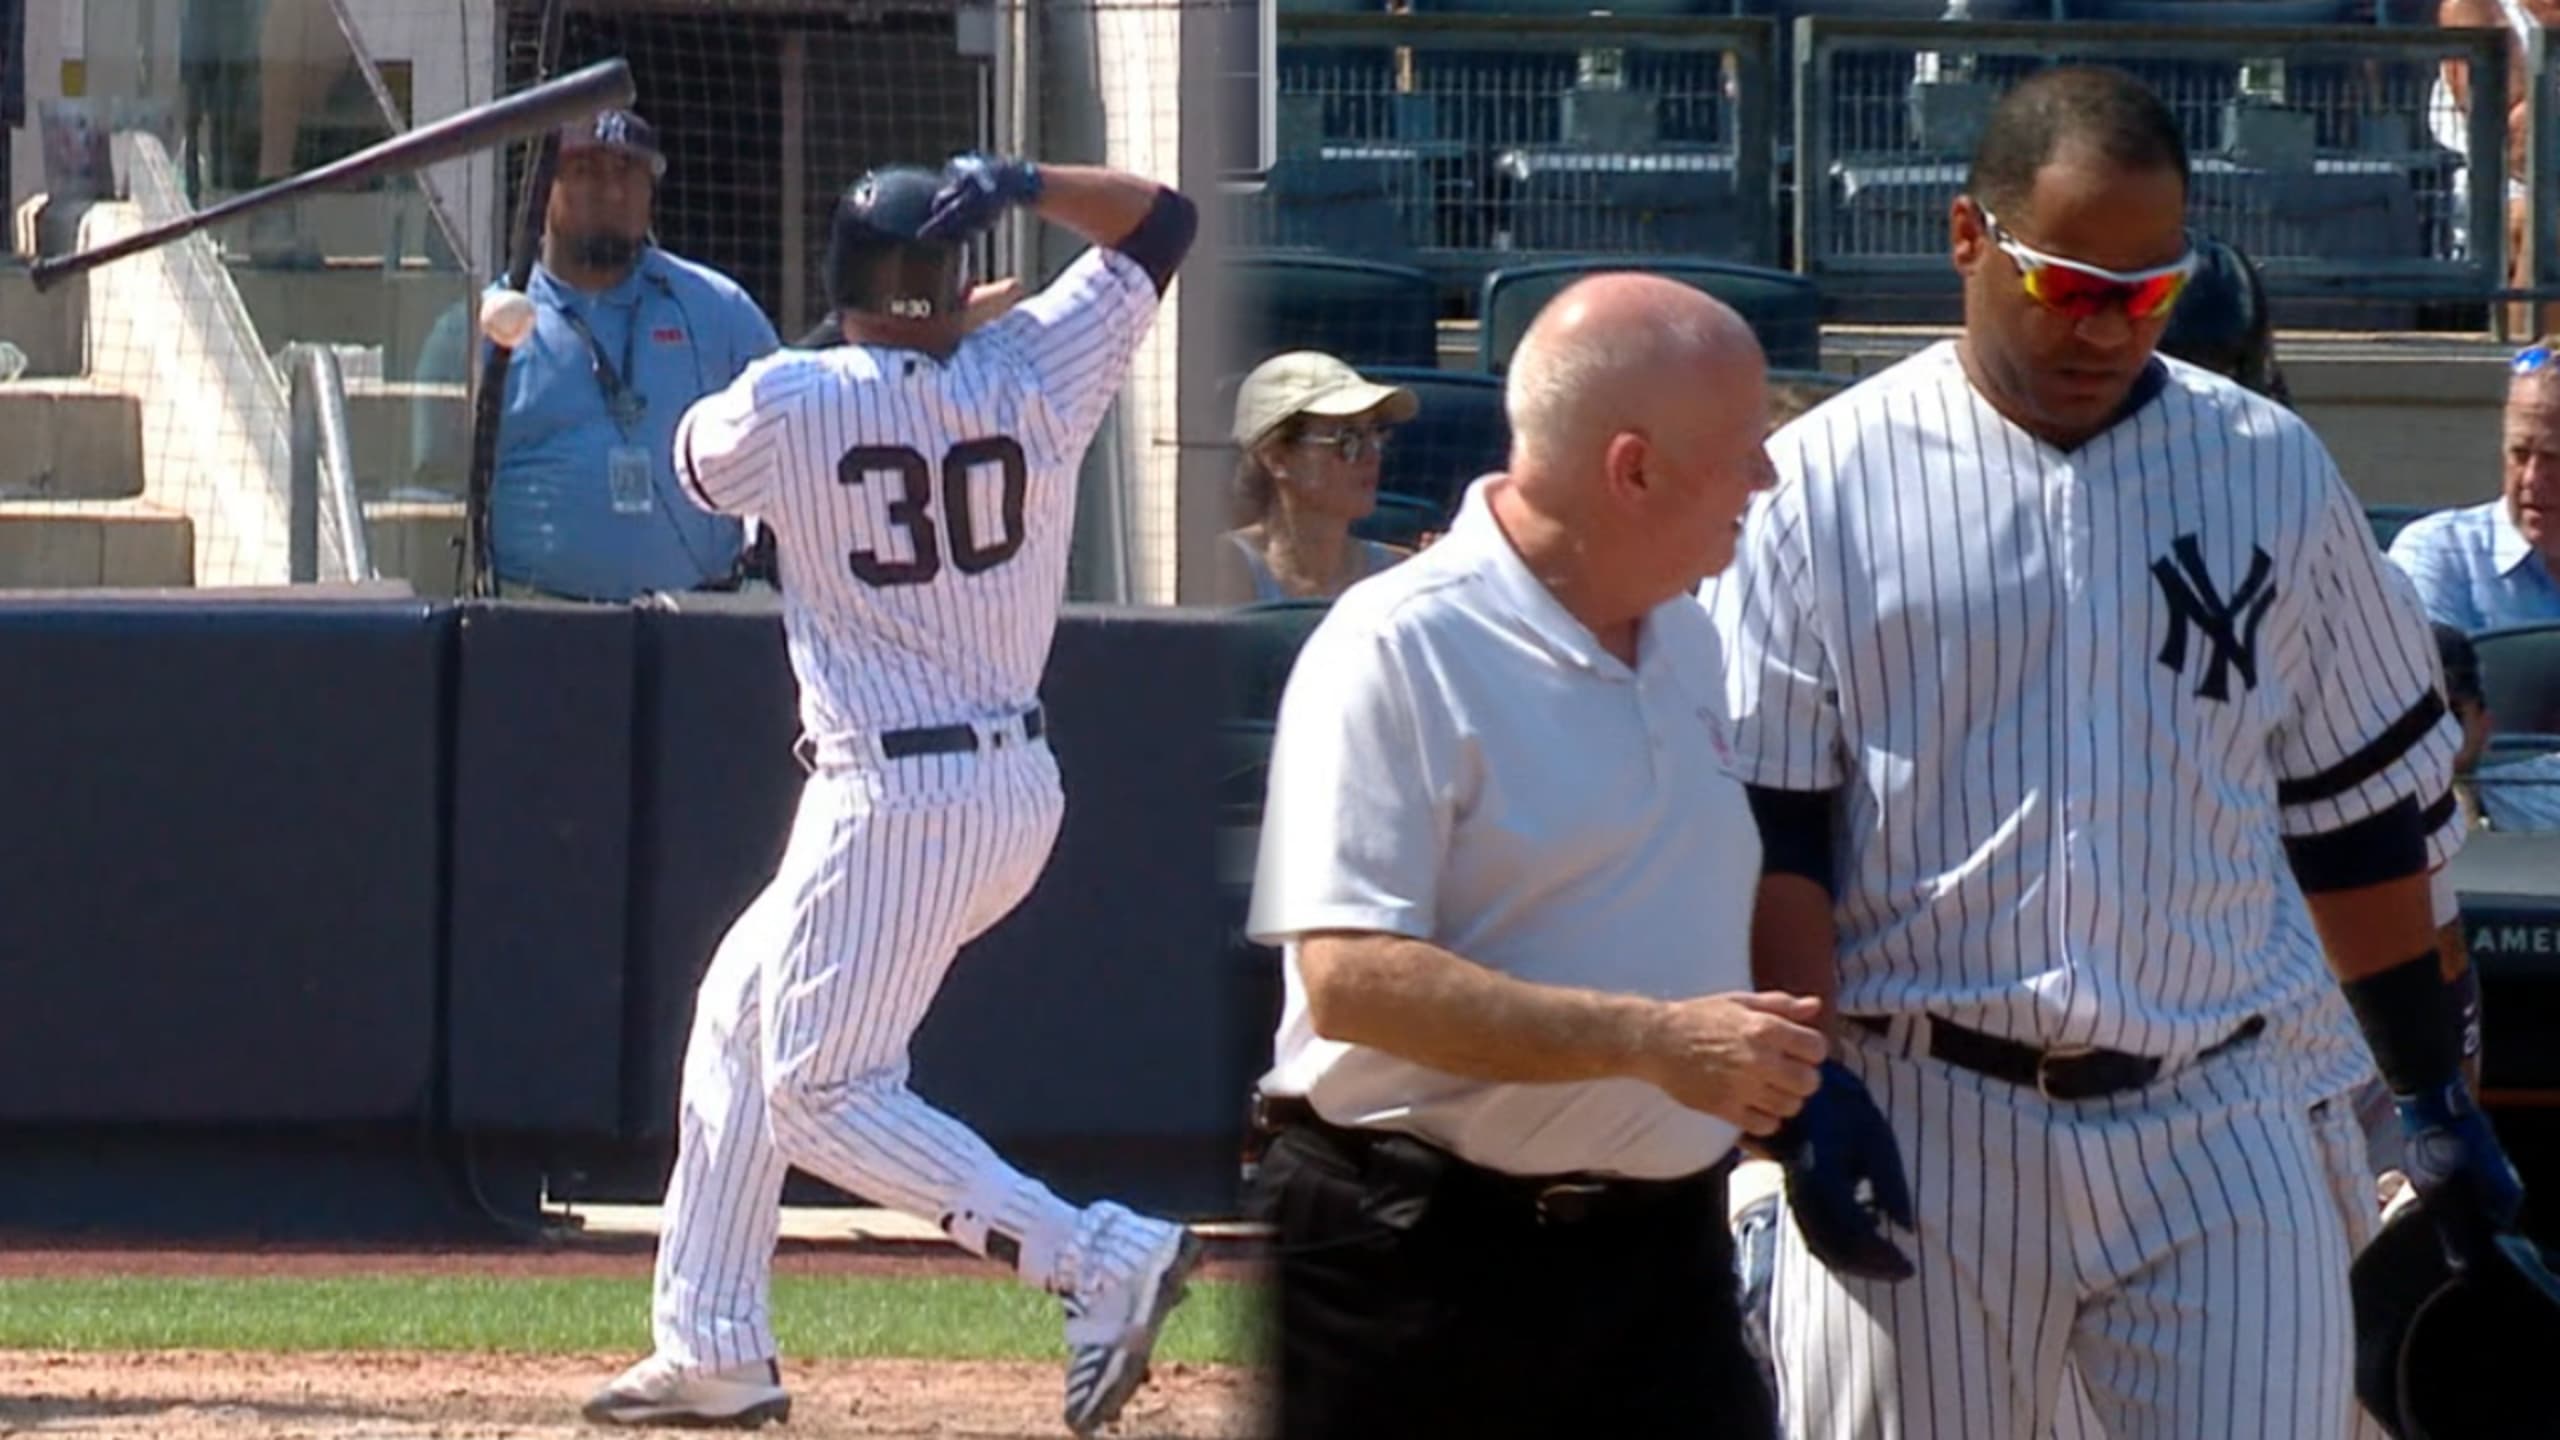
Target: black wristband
x=2411, y=1022
x=2465, y=993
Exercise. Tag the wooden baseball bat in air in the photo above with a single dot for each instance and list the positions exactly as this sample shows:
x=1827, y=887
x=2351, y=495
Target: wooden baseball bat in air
x=567, y=100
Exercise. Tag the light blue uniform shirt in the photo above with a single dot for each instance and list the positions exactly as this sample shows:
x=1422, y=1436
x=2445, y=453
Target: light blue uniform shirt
x=2475, y=571
x=689, y=331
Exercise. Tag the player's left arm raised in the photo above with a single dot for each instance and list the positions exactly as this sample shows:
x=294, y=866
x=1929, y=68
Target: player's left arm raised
x=1081, y=333
x=2365, y=773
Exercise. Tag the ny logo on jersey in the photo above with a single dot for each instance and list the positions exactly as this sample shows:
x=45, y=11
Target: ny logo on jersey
x=2230, y=625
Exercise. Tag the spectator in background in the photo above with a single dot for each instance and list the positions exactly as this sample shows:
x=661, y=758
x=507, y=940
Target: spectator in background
x=584, y=505
x=1311, y=431
x=2448, y=110
x=2485, y=566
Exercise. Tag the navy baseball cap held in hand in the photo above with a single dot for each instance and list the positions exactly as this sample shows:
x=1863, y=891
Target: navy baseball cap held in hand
x=616, y=130
x=2461, y=664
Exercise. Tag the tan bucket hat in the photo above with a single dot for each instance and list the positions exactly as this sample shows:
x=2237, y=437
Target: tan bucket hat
x=1310, y=382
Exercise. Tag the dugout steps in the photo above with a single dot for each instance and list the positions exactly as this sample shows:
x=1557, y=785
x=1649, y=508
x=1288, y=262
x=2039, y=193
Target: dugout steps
x=79, y=455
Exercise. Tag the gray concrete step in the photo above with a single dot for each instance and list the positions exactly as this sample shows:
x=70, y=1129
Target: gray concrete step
x=382, y=421
x=416, y=541
x=68, y=440
x=88, y=544
x=352, y=304
x=46, y=326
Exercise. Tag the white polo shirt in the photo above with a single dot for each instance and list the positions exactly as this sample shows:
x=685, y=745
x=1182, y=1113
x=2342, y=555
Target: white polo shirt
x=1459, y=761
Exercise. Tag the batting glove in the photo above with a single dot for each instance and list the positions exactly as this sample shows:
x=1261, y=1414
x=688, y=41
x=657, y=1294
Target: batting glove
x=976, y=191
x=2460, y=1171
x=1844, y=1178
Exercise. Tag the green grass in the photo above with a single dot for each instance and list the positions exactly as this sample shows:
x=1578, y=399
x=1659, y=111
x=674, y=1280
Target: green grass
x=837, y=1318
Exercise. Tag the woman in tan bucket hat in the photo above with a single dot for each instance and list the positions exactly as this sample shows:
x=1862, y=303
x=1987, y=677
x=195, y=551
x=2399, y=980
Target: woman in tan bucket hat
x=1310, y=429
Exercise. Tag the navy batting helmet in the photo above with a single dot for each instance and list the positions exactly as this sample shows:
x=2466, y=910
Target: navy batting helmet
x=2447, y=1356
x=876, y=264
x=2222, y=323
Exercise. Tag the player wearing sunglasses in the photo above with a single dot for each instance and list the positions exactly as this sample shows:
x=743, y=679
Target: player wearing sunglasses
x=2068, y=285
x=2101, y=773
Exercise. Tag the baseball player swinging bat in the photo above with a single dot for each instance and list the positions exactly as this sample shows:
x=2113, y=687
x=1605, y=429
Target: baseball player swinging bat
x=920, y=473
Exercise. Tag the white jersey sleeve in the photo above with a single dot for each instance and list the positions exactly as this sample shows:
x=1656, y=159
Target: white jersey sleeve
x=1079, y=335
x=1779, y=685
x=1356, y=822
x=732, y=445
x=2368, y=726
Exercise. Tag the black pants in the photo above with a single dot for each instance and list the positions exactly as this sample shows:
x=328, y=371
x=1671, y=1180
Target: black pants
x=1419, y=1295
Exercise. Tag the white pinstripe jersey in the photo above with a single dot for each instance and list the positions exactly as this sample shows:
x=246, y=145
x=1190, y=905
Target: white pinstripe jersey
x=924, y=508
x=2075, y=701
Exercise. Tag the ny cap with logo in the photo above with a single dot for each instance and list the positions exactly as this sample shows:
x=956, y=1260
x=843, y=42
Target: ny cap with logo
x=616, y=130
x=1310, y=382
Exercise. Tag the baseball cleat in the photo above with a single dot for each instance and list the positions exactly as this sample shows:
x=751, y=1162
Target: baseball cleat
x=1112, y=1322
x=654, y=1392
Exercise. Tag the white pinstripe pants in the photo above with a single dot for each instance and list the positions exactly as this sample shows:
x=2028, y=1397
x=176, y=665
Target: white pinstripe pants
x=2346, y=1154
x=798, y=1054
x=2181, y=1249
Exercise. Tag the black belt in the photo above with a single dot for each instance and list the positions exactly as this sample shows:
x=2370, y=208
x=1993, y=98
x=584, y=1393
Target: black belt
x=927, y=740
x=1549, y=1199
x=951, y=739
x=2080, y=1072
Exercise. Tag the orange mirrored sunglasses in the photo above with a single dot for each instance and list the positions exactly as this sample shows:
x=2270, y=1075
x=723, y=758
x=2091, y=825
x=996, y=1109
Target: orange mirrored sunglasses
x=2079, y=290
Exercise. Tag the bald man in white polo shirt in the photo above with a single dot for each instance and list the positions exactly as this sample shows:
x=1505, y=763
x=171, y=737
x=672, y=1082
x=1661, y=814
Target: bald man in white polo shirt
x=1513, y=881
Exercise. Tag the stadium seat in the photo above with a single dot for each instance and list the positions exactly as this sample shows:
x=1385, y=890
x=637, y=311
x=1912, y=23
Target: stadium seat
x=2520, y=677
x=1337, y=206
x=1507, y=97
x=1360, y=311
x=1784, y=309
x=1263, y=643
x=1870, y=89
x=1460, y=433
x=1356, y=83
x=2332, y=92
x=1401, y=520
x=2368, y=213
x=1567, y=205
x=1494, y=98
x=2389, y=520
x=1688, y=91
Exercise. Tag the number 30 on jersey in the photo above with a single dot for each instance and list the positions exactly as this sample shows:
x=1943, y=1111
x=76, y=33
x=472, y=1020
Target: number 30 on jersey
x=906, y=481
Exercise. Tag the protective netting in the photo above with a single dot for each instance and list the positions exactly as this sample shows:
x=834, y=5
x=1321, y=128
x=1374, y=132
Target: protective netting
x=766, y=113
x=162, y=385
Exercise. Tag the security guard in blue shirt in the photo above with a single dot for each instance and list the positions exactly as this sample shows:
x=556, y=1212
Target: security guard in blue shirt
x=584, y=504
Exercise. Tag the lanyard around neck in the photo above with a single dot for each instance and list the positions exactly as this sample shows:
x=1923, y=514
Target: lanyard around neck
x=620, y=400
